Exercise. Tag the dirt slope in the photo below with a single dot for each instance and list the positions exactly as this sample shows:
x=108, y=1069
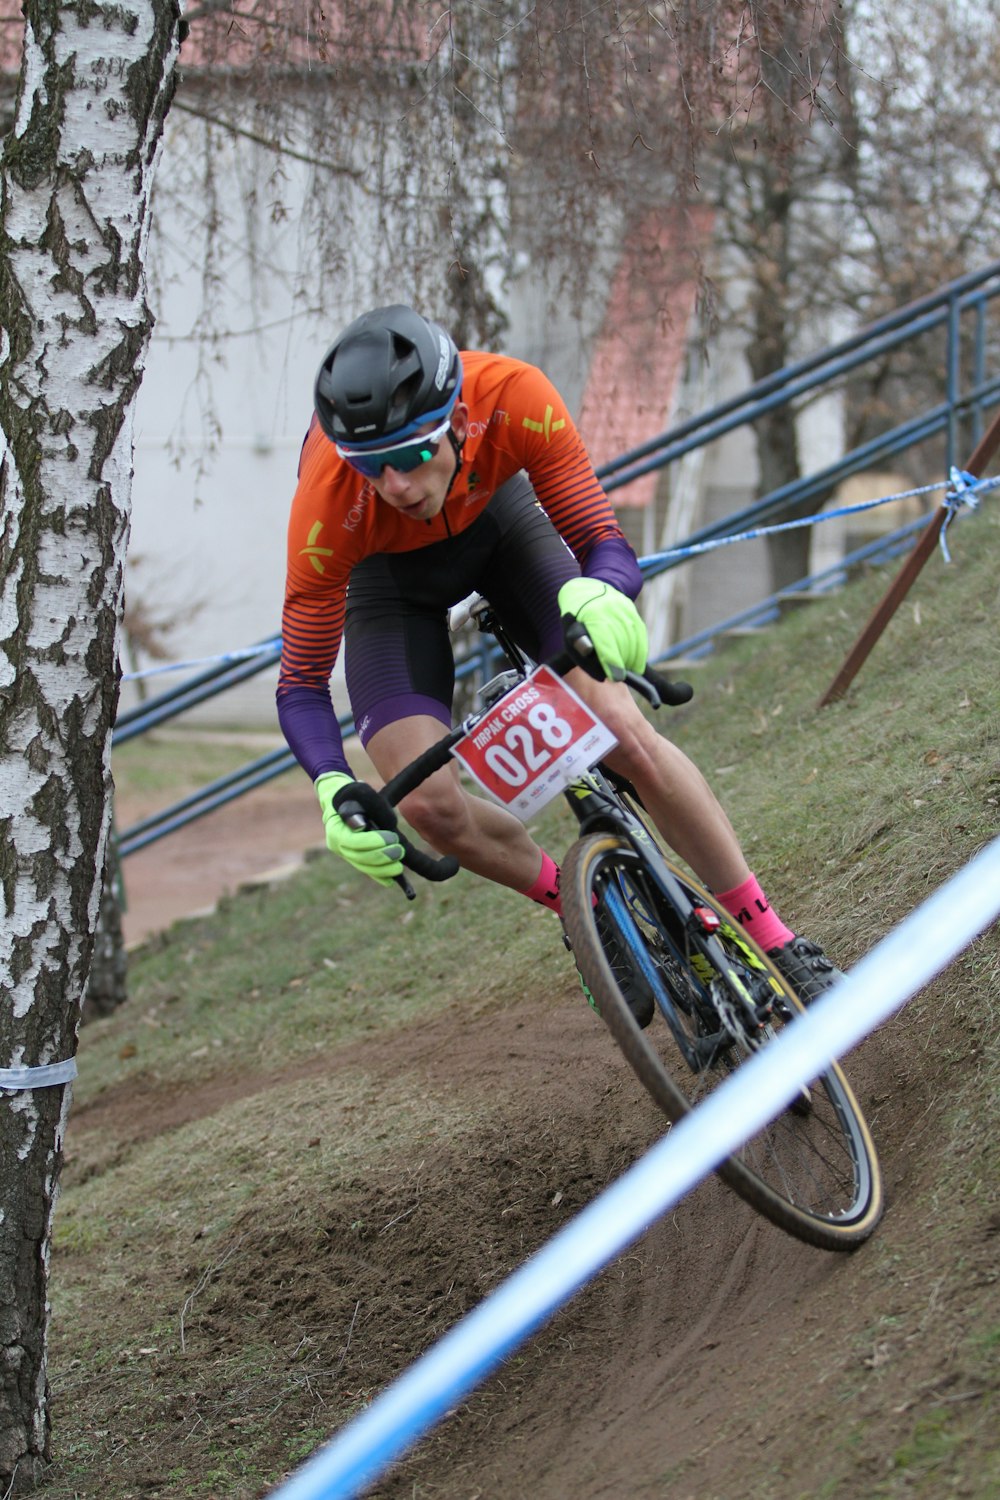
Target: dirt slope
x=717, y=1359
x=190, y=869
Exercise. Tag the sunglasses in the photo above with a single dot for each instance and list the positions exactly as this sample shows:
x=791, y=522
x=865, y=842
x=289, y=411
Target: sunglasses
x=405, y=456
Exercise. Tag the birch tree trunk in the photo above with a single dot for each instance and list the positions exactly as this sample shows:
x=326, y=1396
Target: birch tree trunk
x=75, y=176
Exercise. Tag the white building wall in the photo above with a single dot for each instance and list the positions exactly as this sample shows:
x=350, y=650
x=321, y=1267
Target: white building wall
x=218, y=434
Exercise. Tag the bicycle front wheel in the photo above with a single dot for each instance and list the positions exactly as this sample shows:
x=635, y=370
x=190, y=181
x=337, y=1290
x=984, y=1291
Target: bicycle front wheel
x=812, y=1171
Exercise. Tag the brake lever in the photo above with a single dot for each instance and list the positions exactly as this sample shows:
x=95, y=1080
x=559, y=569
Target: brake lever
x=644, y=688
x=656, y=688
x=353, y=815
x=425, y=865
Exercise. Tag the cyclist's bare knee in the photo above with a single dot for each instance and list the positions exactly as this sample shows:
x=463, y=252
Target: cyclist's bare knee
x=641, y=750
x=438, y=813
x=636, y=761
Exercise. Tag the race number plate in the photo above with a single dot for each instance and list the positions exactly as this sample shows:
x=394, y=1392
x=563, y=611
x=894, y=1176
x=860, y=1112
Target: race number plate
x=533, y=742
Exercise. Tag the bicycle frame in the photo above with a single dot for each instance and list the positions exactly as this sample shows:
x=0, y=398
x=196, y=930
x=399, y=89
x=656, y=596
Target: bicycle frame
x=598, y=807
x=596, y=801
x=813, y=1171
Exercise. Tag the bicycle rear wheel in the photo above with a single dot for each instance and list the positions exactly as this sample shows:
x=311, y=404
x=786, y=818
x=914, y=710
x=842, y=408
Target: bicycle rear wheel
x=813, y=1171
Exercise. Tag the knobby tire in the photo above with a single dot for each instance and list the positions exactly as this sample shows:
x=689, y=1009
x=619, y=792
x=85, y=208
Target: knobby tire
x=813, y=1171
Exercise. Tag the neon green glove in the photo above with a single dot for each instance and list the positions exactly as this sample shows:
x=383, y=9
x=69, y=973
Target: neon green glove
x=376, y=850
x=615, y=626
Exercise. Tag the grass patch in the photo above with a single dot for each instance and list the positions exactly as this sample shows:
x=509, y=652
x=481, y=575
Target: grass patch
x=340, y=961
x=170, y=762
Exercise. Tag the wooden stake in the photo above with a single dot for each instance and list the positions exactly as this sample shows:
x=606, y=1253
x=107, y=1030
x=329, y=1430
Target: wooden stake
x=898, y=590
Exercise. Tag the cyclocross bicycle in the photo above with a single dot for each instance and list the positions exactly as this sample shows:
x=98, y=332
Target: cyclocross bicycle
x=629, y=911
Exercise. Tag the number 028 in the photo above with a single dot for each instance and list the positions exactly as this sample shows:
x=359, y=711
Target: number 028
x=520, y=756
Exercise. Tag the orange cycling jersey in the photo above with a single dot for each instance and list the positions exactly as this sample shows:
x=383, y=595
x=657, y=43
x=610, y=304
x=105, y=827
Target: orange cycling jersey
x=517, y=420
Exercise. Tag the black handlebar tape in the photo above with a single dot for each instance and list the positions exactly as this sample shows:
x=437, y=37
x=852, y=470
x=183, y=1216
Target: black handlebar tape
x=426, y=865
x=565, y=661
x=671, y=693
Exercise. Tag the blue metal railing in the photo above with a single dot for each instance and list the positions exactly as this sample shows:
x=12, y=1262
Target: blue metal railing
x=946, y=308
x=941, y=308
x=213, y=680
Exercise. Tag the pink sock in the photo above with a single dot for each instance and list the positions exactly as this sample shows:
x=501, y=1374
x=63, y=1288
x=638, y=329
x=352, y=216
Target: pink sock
x=748, y=904
x=546, y=888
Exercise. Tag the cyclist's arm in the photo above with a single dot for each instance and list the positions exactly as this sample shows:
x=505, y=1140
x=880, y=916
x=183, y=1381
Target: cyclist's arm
x=313, y=617
x=567, y=487
x=310, y=646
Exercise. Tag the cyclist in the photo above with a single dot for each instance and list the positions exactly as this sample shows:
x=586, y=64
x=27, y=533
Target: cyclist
x=427, y=474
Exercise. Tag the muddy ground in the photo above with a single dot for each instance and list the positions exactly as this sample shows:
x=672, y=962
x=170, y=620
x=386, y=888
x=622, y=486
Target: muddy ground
x=717, y=1359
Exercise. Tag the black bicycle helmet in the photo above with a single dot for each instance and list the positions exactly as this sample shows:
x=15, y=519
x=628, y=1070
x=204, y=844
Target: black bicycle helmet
x=388, y=373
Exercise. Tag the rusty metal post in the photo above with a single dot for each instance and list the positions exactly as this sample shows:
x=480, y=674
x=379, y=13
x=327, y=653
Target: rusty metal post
x=898, y=590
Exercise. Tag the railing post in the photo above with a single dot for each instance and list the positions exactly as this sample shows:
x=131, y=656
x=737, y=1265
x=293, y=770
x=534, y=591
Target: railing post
x=979, y=369
x=953, y=377
x=897, y=592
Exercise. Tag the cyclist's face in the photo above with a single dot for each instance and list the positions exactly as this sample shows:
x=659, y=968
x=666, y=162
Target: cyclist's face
x=420, y=494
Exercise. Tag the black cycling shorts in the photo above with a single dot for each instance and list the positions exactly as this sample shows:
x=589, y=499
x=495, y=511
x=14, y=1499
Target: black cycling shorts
x=397, y=645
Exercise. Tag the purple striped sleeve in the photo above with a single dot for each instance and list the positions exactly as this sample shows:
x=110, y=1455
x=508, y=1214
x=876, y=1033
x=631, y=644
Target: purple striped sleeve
x=310, y=726
x=612, y=561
